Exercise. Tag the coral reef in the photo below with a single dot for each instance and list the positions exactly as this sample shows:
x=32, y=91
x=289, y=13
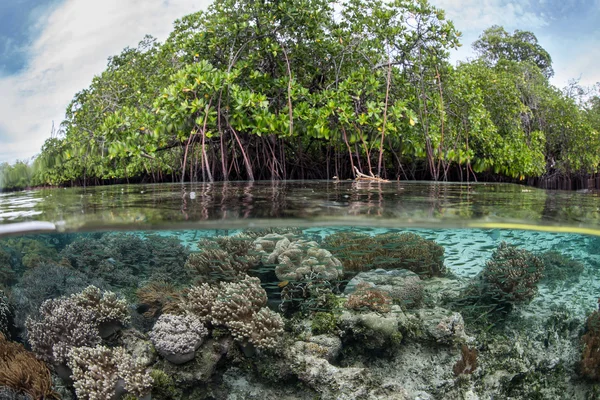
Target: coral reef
x=410, y=251
x=355, y=251
x=45, y=282
x=323, y=323
x=366, y=297
x=23, y=373
x=122, y=259
x=512, y=274
x=176, y=337
x=403, y=286
x=238, y=306
x=7, y=271
x=101, y=373
x=298, y=260
x=81, y=319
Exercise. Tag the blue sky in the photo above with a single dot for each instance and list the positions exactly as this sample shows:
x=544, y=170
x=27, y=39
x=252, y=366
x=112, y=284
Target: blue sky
x=51, y=49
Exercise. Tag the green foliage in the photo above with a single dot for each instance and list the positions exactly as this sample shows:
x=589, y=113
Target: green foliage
x=253, y=90
x=496, y=44
x=16, y=176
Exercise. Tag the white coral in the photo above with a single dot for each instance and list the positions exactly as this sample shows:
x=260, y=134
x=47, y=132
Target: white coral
x=177, y=337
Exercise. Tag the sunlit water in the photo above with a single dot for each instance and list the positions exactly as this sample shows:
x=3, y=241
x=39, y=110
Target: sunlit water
x=302, y=290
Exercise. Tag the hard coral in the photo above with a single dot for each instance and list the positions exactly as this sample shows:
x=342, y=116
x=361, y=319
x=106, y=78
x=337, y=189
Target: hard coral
x=512, y=274
x=101, y=373
x=367, y=297
x=22, y=372
x=177, y=337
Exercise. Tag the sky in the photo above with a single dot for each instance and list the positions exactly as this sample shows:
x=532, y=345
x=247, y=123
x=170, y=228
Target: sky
x=51, y=49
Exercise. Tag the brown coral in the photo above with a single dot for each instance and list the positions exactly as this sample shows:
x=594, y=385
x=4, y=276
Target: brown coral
x=21, y=371
x=467, y=364
x=512, y=274
x=367, y=297
x=159, y=297
x=410, y=251
x=355, y=251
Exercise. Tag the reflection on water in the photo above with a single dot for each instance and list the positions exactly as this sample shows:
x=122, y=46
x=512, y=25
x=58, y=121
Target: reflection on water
x=324, y=312
x=243, y=204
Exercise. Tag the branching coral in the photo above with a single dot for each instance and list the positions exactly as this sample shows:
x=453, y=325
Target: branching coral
x=101, y=373
x=512, y=274
x=22, y=372
x=369, y=298
x=298, y=260
x=73, y=321
x=239, y=307
x=159, y=297
x=223, y=258
x=176, y=337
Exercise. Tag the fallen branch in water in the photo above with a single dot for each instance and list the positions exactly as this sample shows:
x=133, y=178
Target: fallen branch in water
x=371, y=178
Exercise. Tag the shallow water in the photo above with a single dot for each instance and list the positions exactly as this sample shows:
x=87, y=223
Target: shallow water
x=302, y=291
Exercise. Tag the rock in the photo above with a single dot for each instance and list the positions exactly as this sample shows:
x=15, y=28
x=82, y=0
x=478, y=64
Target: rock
x=373, y=330
x=329, y=346
x=404, y=286
x=442, y=325
x=442, y=290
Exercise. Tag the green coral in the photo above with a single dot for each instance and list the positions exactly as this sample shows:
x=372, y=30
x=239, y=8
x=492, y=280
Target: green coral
x=323, y=323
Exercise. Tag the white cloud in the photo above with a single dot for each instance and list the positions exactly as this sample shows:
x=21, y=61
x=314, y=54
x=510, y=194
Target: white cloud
x=73, y=45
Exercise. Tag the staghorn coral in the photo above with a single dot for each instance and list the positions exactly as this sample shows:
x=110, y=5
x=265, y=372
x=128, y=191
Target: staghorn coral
x=467, y=364
x=101, y=373
x=30, y=252
x=512, y=274
x=176, y=337
x=264, y=330
x=159, y=297
x=74, y=321
x=23, y=373
x=298, y=260
x=409, y=251
x=370, y=298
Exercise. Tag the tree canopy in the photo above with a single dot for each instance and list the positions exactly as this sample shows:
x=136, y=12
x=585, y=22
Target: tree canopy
x=305, y=89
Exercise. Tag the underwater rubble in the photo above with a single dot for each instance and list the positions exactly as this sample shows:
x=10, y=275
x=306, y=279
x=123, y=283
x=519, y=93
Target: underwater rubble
x=342, y=314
